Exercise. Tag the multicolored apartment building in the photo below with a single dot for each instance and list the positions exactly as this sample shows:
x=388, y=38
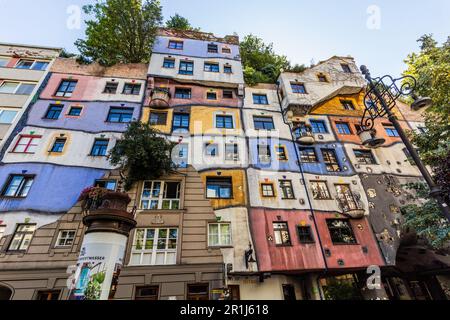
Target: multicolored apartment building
x=276, y=195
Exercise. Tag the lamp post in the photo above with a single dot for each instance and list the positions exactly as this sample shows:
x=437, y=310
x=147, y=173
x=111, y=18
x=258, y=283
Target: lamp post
x=380, y=100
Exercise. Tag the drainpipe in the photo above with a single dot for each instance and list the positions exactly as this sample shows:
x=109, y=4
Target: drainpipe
x=304, y=180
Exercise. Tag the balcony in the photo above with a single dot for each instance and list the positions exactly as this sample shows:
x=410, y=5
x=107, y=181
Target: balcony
x=304, y=135
x=160, y=98
x=351, y=205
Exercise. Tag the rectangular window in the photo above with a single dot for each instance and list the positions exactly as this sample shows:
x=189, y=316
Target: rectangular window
x=9, y=87
x=58, y=146
x=18, y=186
x=227, y=69
x=22, y=237
x=183, y=93
x=106, y=184
x=27, y=144
x=211, y=67
x=25, y=88
x=219, y=188
x=24, y=64
x=343, y=128
x=305, y=234
x=100, y=148
x=197, y=292
x=48, y=295
x=66, y=88
x=287, y=191
x=263, y=123
x=260, y=99
x=308, y=155
x=161, y=195
x=298, y=88
x=4, y=61
x=347, y=105
x=147, y=293
x=224, y=122
x=7, y=116
x=226, y=50
x=267, y=190
x=53, y=112
x=320, y=190
x=330, y=159
x=177, y=45
x=232, y=152
x=186, y=68
x=180, y=122
x=169, y=63
x=341, y=231
x=211, y=95
x=213, y=48
x=219, y=235
x=111, y=87
x=120, y=115
x=391, y=131
x=264, y=154
x=40, y=65
x=158, y=118
x=132, y=88
x=281, y=234
x=75, y=111
x=322, y=78
x=281, y=153
x=227, y=94
x=364, y=156
x=318, y=126
x=345, y=197
x=346, y=68
x=154, y=247
x=66, y=238
x=211, y=149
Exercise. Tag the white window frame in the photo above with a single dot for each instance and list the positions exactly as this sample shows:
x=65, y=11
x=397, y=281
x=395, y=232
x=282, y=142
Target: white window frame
x=219, y=235
x=5, y=58
x=19, y=84
x=154, y=251
x=232, y=156
x=33, y=64
x=160, y=198
x=9, y=109
x=66, y=238
x=26, y=237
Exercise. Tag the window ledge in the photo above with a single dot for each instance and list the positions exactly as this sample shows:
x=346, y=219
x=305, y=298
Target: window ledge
x=159, y=211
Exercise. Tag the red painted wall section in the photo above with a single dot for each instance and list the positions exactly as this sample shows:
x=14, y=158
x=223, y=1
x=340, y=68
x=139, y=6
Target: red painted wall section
x=353, y=255
x=297, y=257
x=12, y=63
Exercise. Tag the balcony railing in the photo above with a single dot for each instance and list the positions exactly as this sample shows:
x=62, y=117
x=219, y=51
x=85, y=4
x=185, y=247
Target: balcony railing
x=304, y=135
x=160, y=98
x=351, y=205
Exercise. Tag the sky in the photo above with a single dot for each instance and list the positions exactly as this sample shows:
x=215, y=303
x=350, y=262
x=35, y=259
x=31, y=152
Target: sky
x=377, y=33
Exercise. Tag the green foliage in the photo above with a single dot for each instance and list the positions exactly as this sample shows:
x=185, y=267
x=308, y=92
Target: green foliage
x=341, y=290
x=142, y=153
x=178, y=22
x=121, y=31
x=66, y=54
x=94, y=288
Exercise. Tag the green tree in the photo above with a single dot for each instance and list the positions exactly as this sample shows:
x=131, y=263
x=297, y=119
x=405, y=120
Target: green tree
x=178, y=22
x=120, y=31
x=142, y=154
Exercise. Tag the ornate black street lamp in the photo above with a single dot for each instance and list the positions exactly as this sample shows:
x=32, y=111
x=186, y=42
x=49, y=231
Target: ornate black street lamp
x=380, y=99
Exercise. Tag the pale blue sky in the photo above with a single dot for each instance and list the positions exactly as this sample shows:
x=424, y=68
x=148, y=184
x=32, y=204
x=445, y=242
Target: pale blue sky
x=304, y=30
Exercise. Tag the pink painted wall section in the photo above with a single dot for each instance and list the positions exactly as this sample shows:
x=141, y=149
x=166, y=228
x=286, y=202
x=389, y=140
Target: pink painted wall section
x=353, y=255
x=12, y=63
x=298, y=257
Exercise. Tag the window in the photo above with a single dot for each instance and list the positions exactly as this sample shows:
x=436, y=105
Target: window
x=320, y=190
x=213, y=48
x=48, y=295
x=40, y=65
x=298, y=88
x=364, y=156
x=264, y=154
x=330, y=159
x=66, y=238
x=27, y=144
x=287, y=192
x=212, y=67
x=24, y=64
x=391, y=131
x=177, y=45
x=7, y=116
x=147, y=293
x=169, y=63
x=227, y=94
x=99, y=148
x=211, y=95
x=346, y=68
x=227, y=69
x=197, y=292
x=66, y=88
x=347, y=105
x=106, y=184
x=267, y=190
x=341, y=231
x=58, y=146
x=186, y=67
x=161, y=195
x=345, y=197
x=53, y=112
x=4, y=61
x=318, y=126
x=232, y=152
x=22, y=237
x=289, y=292
x=111, y=87
x=343, y=128
x=224, y=122
x=322, y=78
x=8, y=87
x=308, y=155
x=226, y=50
x=180, y=122
x=18, y=186
x=132, y=88
x=281, y=153
x=260, y=99
x=281, y=234
x=211, y=149
x=120, y=115
x=183, y=93
x=25, y=88
x=219, y=188
x=32, y=64
x=158, y=118
x=219, y=235
x=305, y=234
x=263, y=123
x=154, y=247
x=75, y=111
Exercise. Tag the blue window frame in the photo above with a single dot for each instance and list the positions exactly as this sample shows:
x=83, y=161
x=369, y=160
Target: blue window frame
x=318, y=126
x=263, y=123
x=75, y=111
x=53, y=112
x=298, y=88
x=169, y=63
x=219, y=188
x=186, y=67
x=343, y=128
x=66, y=88
x=58, y=146
x=224, y=122
x=180, y=122
x=100, y=147
x=120, y=115
x=212, y=67
x=177, y=45
x=260, y=99
x=391, y=131
x=183, y=93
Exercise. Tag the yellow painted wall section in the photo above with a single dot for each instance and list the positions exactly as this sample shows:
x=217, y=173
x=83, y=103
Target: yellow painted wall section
x=205, y=118
x=239, y=188
x=167, y=128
